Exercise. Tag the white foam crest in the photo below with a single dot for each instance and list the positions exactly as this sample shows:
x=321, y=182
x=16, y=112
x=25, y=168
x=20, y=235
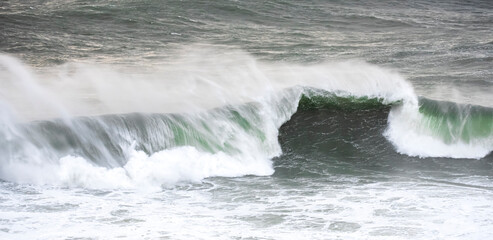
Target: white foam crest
x=406, y=132
x=142, y=171
x=353, y=78
x=198, y=78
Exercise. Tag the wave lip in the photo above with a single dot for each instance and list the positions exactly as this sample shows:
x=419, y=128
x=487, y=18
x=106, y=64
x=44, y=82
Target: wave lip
x=313, y=98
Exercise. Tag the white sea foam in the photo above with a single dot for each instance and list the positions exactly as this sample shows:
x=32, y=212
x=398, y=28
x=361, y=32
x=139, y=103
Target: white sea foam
x=142, y=171
x=252, y=208
x=166, y=167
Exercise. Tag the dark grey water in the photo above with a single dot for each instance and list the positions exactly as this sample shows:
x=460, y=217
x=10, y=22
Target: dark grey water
x=430, y=42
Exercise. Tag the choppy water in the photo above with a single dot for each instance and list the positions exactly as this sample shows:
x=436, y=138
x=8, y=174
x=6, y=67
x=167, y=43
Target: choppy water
x=246, y=120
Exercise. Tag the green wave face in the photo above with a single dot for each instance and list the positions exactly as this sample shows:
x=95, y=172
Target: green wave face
x=456, y=122
x=104, y=139
x=313, y=99
x=249, y=129
x=202, y=131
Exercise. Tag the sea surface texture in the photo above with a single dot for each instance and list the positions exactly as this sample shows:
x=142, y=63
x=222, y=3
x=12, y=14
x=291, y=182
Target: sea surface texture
x=284, y=119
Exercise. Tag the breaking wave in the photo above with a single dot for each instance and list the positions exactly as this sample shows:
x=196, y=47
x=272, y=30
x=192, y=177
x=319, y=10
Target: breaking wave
x=205, y=114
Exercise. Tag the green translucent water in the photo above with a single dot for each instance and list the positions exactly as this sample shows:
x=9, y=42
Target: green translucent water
x=457, y=122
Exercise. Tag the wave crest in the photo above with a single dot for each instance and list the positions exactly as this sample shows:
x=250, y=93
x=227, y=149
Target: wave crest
x=198, y=117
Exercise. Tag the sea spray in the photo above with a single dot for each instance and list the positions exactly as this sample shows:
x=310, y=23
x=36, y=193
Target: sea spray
x=199, y=78
x=159, y=127
x=24, y=91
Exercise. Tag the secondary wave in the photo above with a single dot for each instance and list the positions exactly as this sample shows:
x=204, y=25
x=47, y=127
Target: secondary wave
x=441, y=129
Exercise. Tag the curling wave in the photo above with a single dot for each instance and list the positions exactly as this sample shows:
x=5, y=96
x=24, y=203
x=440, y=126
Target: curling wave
x=201, y=118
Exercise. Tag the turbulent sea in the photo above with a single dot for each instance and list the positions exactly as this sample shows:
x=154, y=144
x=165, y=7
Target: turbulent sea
x=246, y=119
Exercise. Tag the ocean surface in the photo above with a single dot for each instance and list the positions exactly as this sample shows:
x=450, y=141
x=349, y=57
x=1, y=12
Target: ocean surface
x=246, y=119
